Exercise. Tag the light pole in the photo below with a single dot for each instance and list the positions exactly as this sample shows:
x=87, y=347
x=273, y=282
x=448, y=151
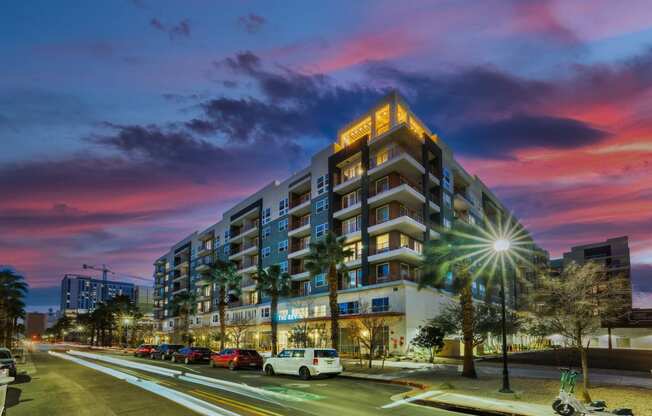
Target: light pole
x=500, y=247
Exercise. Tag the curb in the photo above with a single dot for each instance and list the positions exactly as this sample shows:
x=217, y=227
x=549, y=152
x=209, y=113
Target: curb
x=406, y=383
x=466, y=409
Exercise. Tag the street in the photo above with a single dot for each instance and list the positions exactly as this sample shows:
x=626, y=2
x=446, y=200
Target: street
x=56, y=386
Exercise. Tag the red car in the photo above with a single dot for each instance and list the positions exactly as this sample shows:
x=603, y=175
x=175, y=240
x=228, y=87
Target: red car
x=191, y=355
x=235, y=358
x=144, y=350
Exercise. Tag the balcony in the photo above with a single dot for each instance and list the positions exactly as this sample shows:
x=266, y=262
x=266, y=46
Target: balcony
x=247, y=230
x=300, y=227
x=248, y=284
x=248, y=267
x=433, y=179
x=410, y=252
x=347, y=210
x=396, y=159
x=299, y=250
x=461, y=202
x=404, y=191
x=202, y=267
x=247, y=248
x=408, y=221
x=298, y=272
x=179, y=276
x=183, y=265
x=300, y=205
x=347, y=184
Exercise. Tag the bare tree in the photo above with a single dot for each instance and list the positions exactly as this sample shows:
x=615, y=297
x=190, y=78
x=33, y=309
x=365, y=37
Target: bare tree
x=237, y=328
x=575, y=303
x=369, y=330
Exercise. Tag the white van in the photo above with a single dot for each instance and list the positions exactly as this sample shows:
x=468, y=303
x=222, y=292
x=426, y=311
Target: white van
x=305, y=362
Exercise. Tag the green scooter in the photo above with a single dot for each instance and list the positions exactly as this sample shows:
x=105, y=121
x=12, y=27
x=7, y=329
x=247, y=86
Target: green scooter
x=566, y=404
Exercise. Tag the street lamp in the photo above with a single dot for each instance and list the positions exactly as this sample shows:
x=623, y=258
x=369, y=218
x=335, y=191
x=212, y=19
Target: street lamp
x=501, y=246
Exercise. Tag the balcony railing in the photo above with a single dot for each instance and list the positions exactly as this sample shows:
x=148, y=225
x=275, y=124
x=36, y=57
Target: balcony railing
x=303, y=221
x=403, y=212
x=412, y=244
x=301, y=245
x=386, y=155
x=374, y=190
x=300, y=200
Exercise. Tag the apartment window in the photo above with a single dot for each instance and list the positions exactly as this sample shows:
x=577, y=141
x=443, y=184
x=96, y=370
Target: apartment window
x=264, y=312
x=351, y=225
x=352, y=171
x=322, y=184
x=320, y=280
x=267, y=215
x=356, y=248
x=321, y=205
x=266, y=232
x=282, y=246
x=227, y=235
x=448, y=180
x=382, y=185
x=351, y=198
x=283, y=224
x=353, y=278
x=306, y=288
x=319, y=310
x=283, y=207
x=418, y=247
x=348, y=308
x=321, y=230
x=405, y=240
x=382, y=214
x=283, y=266
x=380, y=304
x=405, y=271
x=382, y=243
x=266, y=251
x=447, y=223
x=448, y=201
x=382, y=272
x=227, y=249
x=216, y=318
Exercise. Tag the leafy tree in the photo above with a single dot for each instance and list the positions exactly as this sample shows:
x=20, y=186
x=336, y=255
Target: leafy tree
x=185, y=304
x=13, y=290
x=574, y=304
x=271, y=282
x=451, y=255
x=431, y=338
x=225, y=277
x=329, y=254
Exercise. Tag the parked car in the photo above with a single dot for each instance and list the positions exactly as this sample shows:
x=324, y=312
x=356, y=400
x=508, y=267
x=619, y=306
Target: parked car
x=7, y=361
x=144, y=350
x=191, y=355
x=235, y=358
x=164, y=351
x=305, y=362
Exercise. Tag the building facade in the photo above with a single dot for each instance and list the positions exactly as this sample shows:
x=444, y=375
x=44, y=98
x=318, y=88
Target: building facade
x=35, y=325
x=385, y=187
x=82, y=294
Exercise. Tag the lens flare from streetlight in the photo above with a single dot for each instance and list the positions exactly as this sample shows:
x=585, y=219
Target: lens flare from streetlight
x=501, y=245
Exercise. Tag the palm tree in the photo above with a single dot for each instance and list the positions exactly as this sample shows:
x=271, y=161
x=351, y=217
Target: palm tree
x=185, y=304
x=271, y=282
x=451, y=257
x=329, y=254
x=12, y=292
x=225, y=277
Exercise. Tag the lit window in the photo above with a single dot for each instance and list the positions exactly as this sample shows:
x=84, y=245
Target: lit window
x=356, y=132
x=382, y=243
x=382, y=120
x=416, y=127
x=352, y=171
x=351, y=225
x=401, y=114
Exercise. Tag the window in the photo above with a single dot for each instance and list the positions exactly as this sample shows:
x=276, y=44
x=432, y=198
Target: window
x=264, y=312
x=306, y=288
x=351, y=225
x=227, y=235
x=282, y=246
x=282, y=207
x=382, y=243
x=405, y=271
x=227, y=249
x=321, y=205
x=448, y=180
x=405, y=240
x=351, y=198
x=353, y=279
x=447, y=223
x=266, y=251
x=352, y=171
x=321, y=229
x=322, y=184
x=267, y=215
x=266, y=232
x=283, y=266
x=382, y=272
x=382, y=185
x=348, y=308
x=356, y=248
x=320, y=280
x=319, y=310
x=380, y=305
x=216, y=318
x=283, y=224
x=382, y=214
x=418, y=247
x=448, y=202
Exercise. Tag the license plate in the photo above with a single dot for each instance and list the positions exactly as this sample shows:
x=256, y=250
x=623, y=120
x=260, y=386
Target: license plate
x=329, y=361
x=252, y=364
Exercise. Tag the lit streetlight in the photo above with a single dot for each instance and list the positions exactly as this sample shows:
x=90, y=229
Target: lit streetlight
x=502, y=246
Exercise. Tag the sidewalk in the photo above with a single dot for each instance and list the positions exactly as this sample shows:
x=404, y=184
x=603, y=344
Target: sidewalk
x=466, y=403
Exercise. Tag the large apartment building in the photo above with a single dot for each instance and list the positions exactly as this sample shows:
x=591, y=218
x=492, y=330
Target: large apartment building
x=82, y=294
x=386, y=185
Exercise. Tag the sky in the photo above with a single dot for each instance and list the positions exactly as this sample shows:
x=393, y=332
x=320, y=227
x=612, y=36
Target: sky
x=126, y=125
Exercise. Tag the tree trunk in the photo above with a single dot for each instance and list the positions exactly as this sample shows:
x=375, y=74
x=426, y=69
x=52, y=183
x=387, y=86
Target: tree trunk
x=609, y=337
x=335, y=310
x=273, y=311
x=466, y=301
x=584, y=356
x=222, y=312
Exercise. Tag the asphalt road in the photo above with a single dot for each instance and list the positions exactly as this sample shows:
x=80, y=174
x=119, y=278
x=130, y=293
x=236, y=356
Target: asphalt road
x=101, y=394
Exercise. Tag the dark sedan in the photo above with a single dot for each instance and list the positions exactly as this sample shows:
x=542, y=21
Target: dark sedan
x=165, y=351
x=191, y=355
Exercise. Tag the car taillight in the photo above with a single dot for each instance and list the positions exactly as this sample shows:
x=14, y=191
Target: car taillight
x=315, y=361
x=236, y=358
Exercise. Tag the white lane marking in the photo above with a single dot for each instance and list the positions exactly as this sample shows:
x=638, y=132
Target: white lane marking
x=186, y=400
x=411, y=399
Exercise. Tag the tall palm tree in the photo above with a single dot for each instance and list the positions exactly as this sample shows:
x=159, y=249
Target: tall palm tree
x=271, y=282
x=224, y=277
x=329, y=254
x=185, y=304
x=451, y=256
x=12, y=292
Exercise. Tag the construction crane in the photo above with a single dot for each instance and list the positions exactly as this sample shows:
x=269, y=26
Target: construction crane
x=105, y=271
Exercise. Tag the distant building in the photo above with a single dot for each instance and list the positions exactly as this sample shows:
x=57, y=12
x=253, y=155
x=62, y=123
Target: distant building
x=82, y=294
x=145, y=299
x=35, y=324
